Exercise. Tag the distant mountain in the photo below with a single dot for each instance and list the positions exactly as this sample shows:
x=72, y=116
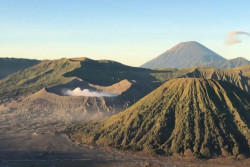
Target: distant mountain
x=192, y=117
x=232, y=63
x=185, y=54
x=11, y=65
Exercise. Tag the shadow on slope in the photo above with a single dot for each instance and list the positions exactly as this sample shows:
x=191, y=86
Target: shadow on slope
x=191, y=117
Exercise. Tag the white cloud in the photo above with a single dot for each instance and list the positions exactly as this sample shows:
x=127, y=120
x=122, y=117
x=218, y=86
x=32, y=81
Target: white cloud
x=232, y=37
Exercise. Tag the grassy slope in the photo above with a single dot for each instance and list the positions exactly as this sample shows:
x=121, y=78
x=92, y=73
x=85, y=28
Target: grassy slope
x=11, y=65
x=239, y=76
x=105, y=72
x=185, y=116
x=52, y=72
x=46, y=73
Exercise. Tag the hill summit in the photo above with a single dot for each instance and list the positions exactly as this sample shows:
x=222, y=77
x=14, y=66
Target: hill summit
x=187, y=116
x=11, y=65
x=185, y=54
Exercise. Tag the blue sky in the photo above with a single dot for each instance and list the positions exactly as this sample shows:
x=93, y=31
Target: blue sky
x=128, y=31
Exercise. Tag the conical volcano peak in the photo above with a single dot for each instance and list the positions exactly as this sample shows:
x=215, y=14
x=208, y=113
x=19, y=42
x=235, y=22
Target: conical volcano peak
x=189, y=43
x=185, y=44
x=184, y=54
x=204, y=118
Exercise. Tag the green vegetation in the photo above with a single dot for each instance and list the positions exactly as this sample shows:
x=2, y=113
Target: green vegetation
x=200, y=117
x=53, y=72
x=46, y=73
x=105, y=73
x=204, y=118
x=239, y=76
x=11, y=65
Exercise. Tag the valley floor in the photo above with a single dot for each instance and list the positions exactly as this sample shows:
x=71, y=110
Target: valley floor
x=32, y=143
x=27, y=148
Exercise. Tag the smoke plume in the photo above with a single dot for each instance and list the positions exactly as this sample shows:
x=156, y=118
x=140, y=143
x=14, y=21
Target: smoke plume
x=86, y=92
x=232, y=37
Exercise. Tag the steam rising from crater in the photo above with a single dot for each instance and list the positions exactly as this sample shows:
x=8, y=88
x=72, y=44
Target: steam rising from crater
x=86, y=92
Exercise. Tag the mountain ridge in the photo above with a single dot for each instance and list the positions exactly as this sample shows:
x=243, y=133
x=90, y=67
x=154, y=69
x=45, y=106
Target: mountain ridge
x=11, y=65
x=238, y=76
x=228, y=64
x=177, y=118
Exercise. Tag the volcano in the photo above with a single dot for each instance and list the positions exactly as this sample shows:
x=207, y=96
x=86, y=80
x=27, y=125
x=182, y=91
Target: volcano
x=185, y=54
x=186, y=116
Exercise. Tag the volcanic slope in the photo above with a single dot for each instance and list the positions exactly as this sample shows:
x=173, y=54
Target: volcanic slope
x=184, y=55
x=194, y=117
x=11, y=65
x=50, y=73
x=36, y=96
x=239, y=76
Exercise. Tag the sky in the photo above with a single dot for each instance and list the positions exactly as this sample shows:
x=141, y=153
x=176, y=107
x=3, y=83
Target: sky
x=128, y=31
